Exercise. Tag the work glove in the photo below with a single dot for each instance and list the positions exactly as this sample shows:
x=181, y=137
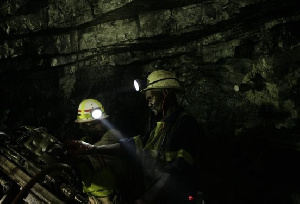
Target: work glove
x=77, y=147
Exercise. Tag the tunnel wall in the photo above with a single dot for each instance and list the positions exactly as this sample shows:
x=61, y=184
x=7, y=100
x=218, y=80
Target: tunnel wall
x=238, y=60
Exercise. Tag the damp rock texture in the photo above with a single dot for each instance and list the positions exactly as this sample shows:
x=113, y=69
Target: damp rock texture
x=238, y=60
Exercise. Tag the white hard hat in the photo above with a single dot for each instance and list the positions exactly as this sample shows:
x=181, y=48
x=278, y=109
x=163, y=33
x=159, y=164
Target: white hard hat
x=90, y=110
x=161, y=79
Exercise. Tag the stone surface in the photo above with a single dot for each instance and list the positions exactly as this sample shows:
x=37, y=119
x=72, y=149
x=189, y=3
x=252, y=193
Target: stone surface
x=239, y=61
x=216, y=45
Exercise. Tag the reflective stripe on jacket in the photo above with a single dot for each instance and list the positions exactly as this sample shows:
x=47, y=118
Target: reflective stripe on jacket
x=98, y=178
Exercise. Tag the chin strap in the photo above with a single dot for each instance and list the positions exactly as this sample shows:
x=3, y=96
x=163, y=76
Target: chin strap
x=165, y=93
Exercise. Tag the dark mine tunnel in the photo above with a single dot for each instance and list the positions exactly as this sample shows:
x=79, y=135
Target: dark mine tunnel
x=237, y=61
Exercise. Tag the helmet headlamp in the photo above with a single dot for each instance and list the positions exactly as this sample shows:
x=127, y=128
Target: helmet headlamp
x=139, y=84
x=96, y=113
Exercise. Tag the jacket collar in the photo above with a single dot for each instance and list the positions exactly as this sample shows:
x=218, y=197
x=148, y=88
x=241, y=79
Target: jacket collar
x=174, y=115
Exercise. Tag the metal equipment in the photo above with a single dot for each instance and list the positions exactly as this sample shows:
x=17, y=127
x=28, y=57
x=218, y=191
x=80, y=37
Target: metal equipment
x=35, y=169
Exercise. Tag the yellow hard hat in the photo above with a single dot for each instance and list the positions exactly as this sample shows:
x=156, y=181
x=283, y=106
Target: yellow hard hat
x=90, y=110
x=161, y=79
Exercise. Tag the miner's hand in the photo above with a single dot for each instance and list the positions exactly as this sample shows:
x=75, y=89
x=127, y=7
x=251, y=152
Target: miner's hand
x=77, y=147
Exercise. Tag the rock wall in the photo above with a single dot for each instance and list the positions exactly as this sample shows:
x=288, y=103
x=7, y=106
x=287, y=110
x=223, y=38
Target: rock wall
x=239, y=61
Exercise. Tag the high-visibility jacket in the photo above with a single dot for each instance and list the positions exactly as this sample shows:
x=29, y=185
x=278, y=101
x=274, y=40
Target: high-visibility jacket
x=99, y=174
x=173, y=146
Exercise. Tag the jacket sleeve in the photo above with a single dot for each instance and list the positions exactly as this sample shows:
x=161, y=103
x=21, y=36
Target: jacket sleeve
x=185, y=149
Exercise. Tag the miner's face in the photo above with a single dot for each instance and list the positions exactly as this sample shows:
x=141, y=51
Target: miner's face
x=94, y=128
x=155, y=101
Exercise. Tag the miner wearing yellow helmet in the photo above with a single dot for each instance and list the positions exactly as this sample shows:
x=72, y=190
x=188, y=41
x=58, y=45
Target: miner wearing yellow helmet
x=99, y=173
x=171, y=152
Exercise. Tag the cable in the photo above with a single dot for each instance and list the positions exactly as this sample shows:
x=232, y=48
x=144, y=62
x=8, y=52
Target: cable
x=36, y=178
